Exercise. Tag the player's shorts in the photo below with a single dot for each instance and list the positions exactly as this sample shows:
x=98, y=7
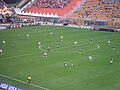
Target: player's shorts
x=28, y=80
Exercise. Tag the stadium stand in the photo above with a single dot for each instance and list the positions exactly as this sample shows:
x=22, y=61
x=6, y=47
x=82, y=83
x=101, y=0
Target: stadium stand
x=1, y=5
x=51, y=4
x=22, y=3
x=61, y=8
x=99, y=9
x=5, y=10
x=103, y=13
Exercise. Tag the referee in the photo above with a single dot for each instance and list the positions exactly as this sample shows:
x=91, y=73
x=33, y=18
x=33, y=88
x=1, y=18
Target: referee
x=29, y=79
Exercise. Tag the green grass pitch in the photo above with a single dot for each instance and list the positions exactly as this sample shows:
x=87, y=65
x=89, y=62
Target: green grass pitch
x=49, y=73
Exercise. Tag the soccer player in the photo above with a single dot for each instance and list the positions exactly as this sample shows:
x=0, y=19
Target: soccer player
x=51, y=34
x=13, y=44
x=39, y=45
x=28, y=36
x=58, y=45
x=65, y=64
x=113, y=47
x=29, y=79
x=91, y=41
x=45, y=54
x=75, y=42
x=111, y=60
x=109, y=42
x=80, y=51
x=48, y=48
x=0, y=51
x=90, y=58
x=3, y=42
x=61, y=38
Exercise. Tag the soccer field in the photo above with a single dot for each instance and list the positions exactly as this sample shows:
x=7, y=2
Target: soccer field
x=49, y=73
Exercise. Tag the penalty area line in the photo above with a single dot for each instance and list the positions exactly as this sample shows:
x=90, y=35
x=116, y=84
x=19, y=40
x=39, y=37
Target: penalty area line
x=34, y=85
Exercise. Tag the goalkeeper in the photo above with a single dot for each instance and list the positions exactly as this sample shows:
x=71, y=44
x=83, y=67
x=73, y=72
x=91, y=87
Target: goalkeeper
x=29, y=79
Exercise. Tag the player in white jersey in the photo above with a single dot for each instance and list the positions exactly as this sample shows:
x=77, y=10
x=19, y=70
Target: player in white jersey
x=75, y=42
x=90, y=58
x=108, y=42
x=65, y=64
x=61, y=38
x=39, y=45
x=51, y=34
x=3, y=42
x=111, y=60
x=45, y=54
x=28, y=36
x=1, y=52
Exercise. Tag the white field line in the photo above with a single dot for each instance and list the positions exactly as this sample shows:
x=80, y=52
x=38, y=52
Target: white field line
x=51, y=49
x=27, y=54
x=22, y=55
x=40, y=87
x=98, y=46
x=34, y=85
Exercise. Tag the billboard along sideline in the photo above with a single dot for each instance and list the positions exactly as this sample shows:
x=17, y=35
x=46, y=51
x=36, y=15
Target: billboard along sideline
x=5, y=86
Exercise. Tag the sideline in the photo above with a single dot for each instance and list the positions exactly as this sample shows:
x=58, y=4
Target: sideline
x=40, y=87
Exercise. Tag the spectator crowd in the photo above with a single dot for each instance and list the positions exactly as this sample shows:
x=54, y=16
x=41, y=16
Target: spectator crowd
x=51, y=3
x=100, y=9
x=5, y=10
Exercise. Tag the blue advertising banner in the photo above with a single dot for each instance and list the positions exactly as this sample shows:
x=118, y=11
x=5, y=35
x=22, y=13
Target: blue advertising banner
x=5, y=86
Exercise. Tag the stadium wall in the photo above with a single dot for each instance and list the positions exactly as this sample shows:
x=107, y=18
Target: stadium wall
x=94, y=22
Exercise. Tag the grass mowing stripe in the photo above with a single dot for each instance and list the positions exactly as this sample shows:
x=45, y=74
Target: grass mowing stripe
x=21, y=55
x=24, y=82
x=49, y=72
x=98, y=46
x=45, y=50
x=54, y=49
